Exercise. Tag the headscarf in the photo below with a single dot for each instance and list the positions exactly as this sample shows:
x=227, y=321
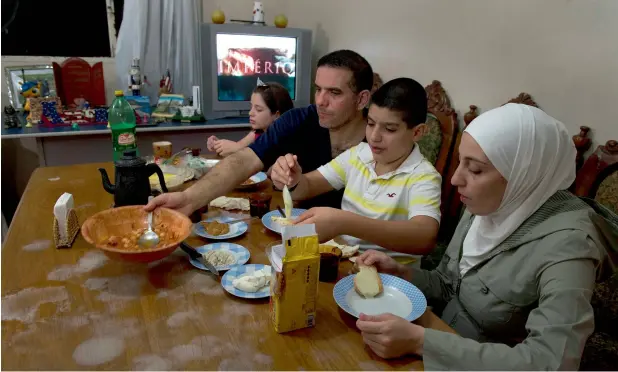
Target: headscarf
x=535, y=154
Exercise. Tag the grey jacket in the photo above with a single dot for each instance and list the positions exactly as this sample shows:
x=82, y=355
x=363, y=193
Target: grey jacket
x=527, y=306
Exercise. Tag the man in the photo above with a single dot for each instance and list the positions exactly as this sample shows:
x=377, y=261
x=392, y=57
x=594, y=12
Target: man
x=317, y=134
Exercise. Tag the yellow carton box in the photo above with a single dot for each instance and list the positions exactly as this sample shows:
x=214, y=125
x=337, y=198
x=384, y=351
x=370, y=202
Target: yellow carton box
x=294, y=285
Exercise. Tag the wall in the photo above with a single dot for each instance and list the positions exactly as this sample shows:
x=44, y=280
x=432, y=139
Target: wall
x=563, y=52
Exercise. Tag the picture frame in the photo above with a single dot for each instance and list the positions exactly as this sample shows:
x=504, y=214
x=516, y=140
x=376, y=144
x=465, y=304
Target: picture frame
x=15, y=75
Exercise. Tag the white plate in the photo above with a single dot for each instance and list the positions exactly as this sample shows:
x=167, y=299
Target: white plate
x=236, y=229
x=238, y=271
x=240, y=253
x=399, y=298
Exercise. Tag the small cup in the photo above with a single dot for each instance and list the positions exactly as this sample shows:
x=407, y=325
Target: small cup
x=259, y=204
x=329, y=262
x=162, y=149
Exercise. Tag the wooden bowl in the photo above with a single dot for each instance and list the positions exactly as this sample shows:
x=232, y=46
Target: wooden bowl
x=123, y=221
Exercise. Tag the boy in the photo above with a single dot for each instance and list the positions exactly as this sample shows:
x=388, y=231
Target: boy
x=392, y=193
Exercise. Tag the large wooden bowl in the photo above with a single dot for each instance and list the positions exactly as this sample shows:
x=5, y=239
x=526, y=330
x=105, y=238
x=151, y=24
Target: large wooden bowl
x=122, y=221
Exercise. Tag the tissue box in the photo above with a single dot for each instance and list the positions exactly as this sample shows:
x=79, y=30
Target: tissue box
x=72, y=228
x=294, y=285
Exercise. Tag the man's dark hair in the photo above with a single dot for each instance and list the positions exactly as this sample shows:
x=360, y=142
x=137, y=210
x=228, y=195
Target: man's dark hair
x=362, y=74
x=276, y=97
x=405, y=96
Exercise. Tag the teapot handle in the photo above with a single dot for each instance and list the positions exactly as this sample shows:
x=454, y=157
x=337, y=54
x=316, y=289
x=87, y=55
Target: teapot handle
x=154, y=168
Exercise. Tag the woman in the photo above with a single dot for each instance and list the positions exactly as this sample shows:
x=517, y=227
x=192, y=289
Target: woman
x=516, y=279
x=268, y=102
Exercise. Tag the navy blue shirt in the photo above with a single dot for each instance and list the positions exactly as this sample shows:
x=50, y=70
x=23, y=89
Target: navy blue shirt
x=298, y=132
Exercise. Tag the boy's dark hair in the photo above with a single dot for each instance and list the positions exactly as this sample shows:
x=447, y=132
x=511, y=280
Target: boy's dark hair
x=362, y=73
x=405, y=96
x=276, y=97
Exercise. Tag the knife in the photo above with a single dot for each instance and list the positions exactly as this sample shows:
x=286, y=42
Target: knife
x=198, y=257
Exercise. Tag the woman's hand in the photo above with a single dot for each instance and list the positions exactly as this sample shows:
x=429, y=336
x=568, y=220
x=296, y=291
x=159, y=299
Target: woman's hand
x=327, y=221
x=225, y=147
x=390, y=336
x=382, y=262
x=210, y=144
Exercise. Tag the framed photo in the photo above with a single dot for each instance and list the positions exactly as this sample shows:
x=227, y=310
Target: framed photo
x=32, y=78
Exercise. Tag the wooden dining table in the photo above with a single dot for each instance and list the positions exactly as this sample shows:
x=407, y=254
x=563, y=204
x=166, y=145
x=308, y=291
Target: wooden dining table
x=74, y=308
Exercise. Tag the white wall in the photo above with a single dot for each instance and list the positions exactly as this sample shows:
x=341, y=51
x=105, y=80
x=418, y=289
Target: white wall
x=563, y=52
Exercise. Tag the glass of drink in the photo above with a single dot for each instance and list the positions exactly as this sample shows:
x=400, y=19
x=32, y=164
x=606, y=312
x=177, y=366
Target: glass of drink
x=259, y=204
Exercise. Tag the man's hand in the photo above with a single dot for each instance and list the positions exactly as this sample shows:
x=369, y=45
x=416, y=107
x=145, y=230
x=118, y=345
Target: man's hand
x=383, y=262
x=286, y=171
x=390, y=336
x=327, y=221
x=225, y=147
x=173, y=200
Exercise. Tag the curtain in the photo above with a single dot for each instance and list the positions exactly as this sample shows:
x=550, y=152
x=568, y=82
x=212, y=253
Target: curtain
x=163, y=34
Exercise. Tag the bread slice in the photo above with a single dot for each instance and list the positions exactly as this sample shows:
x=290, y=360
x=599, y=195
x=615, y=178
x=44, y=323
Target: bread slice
x=367, y=281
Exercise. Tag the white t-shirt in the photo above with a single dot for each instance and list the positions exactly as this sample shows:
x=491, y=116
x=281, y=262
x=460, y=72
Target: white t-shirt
x=413, y=189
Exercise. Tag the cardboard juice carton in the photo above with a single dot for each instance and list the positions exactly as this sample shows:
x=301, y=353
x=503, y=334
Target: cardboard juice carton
x=294, y=285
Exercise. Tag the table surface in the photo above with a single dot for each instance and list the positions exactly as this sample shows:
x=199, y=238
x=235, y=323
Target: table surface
x=41, y=131
x=75, y=309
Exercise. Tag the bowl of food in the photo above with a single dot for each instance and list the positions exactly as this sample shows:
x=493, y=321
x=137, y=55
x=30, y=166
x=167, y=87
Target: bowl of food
x=116, y=231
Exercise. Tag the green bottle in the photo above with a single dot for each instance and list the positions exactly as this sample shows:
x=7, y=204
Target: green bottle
x=121, y=118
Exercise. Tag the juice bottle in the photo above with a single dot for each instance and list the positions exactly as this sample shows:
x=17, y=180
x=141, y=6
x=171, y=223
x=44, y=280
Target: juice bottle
x=122, y=122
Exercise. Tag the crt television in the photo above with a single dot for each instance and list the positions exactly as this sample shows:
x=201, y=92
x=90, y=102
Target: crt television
x=236, y=58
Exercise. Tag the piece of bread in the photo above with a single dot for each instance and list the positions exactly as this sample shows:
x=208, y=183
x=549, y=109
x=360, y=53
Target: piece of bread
x=367, y=281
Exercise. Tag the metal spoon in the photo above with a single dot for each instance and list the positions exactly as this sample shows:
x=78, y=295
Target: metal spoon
x=149, y=238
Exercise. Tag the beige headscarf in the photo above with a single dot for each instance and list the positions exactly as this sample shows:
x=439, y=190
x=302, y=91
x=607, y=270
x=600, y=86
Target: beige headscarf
x=535, y=154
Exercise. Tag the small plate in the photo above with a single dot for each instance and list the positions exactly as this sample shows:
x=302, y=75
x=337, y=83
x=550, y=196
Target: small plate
x=257, y=179
x=400, y=298
x=236, y=229
x=241, y=253
x=238, y=271
x=276, y=227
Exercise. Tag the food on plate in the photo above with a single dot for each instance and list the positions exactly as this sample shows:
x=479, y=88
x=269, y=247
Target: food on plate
x=216, y=228
x=346, y=250
x=129, y=242
x=227, y=203
x=219, y=257
x=252, y=282
x=248, y=182
x=166, y=176
x=282, y=220
x=367, y=281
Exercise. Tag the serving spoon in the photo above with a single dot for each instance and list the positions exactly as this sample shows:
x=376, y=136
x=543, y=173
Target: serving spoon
x=149, y=238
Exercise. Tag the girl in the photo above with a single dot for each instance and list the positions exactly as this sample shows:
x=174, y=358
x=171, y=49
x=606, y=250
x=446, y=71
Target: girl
x=268, y=102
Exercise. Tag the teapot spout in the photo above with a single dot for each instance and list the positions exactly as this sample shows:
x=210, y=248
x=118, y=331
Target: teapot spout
x=107, y=185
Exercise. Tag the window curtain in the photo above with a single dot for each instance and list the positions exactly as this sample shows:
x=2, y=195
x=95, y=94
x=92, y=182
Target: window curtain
x=163, y=34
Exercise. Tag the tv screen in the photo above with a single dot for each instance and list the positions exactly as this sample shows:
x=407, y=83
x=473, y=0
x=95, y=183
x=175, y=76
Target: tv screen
x=246, y=61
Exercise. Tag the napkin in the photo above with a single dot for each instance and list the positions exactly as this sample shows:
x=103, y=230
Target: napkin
x=230, y=203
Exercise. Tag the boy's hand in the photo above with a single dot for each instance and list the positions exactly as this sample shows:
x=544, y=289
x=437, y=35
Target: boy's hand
x=327, y=221
x=286, y=171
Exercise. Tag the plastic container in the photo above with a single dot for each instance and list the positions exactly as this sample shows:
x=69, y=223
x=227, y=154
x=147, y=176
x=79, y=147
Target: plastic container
x=121, y=119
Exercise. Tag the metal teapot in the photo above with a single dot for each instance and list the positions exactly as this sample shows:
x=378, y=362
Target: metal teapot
x=132, y=180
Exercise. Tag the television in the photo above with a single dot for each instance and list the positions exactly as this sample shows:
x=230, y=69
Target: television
x=236, y=58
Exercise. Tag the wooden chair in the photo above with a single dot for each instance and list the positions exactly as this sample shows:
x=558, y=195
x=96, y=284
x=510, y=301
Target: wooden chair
x=437, y=146
x=594, y=181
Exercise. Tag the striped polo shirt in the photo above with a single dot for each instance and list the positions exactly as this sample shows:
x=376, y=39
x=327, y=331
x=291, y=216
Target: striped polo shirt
x=413, y=189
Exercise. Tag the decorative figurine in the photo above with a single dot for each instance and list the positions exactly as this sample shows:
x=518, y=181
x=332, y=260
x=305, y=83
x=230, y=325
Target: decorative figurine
x=165, y=85
x=30, y=89
x=10, y=117
x=258, y=12
x=135, y=78
x=218, y=17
